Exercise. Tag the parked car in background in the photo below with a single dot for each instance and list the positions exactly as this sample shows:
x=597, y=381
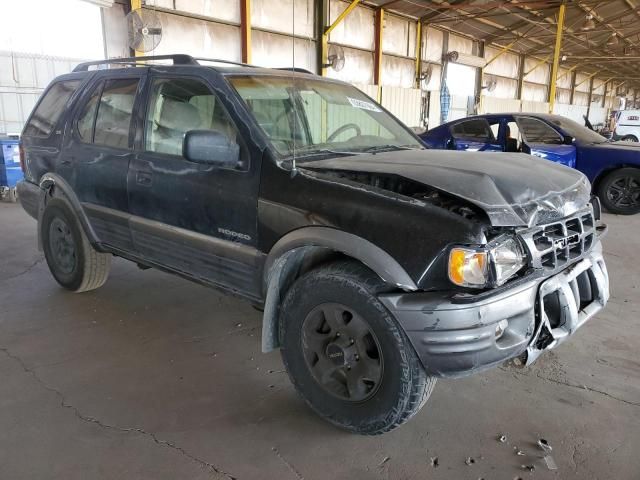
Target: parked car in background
x=627, y=126
x=612, y=167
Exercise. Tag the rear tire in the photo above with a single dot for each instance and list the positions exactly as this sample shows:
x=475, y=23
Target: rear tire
x=71, y=258
x=346, y=355
x=619, y=191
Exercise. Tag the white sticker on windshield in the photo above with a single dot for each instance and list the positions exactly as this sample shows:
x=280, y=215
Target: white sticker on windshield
x=364, y=105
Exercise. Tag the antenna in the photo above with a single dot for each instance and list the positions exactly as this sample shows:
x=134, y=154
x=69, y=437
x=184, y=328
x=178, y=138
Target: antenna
x=294, y=170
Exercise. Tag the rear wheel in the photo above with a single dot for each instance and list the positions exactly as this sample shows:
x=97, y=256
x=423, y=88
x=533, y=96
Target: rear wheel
x=71, y=258
x=619, y=191
x=345, y=353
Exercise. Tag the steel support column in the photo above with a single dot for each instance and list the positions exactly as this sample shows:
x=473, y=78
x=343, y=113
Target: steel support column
x=556, y=57
x=418, y=49
x=135, y=5
x=245, y=30
x=520, y=89
x=377, y=50
x=324, y=19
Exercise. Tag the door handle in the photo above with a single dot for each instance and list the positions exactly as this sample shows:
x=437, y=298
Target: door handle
x=143, y=178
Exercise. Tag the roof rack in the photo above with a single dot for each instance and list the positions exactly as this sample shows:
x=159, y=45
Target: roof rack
x=178, y=59
x=229, y=62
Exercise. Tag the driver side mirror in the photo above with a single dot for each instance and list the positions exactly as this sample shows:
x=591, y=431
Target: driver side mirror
x=211, y=148
x=567, y=140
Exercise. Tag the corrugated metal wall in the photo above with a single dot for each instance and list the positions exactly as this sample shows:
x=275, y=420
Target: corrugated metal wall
x=23, y=77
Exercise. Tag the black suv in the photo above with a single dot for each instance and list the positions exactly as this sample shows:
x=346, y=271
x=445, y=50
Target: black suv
x=379, y=265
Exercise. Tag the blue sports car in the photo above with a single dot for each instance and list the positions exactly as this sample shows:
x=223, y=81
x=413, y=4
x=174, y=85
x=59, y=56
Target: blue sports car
x=612, y=167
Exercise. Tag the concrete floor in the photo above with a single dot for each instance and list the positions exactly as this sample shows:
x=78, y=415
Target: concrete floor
x=152, y=377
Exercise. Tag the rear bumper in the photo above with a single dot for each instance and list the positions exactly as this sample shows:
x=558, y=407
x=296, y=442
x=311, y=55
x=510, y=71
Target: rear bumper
x=454, y=337
x=29, y=194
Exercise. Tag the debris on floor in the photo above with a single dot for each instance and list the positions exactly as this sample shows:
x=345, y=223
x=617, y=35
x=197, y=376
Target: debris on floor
x=520, y=453
x=502, y=438
x=384, y=460
x=544, y=445
x=529, y=468
x=551, y=463
x=434, y=462
x=470, y=461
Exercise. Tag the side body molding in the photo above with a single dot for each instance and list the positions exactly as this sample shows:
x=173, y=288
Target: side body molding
x=287, y=254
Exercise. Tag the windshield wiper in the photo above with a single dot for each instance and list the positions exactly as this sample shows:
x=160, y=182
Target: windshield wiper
x=380, y=148
x=324, y=151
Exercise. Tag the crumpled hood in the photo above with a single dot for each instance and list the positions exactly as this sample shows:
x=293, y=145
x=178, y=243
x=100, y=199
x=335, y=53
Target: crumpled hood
x=513, y=189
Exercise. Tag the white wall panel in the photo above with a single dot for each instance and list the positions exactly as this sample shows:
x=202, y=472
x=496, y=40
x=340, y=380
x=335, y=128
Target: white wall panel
x=395, y=38
x=506, y=65
x=398, y=72
x=115, y=32
x=534, y=92
x=540, y=74
x=284, y=16
x=433, y=118
x=574, y=112
x=274, y=50
x=580, y=98
x=404, y=103
x=582, y=82
x=200, y=38
x=505, y=88
x=460, y=44
x=356, y=29
x=564, y=78
x=432, y=47
x=358, y=67
x=227, y=10
x=459, y=107
x=563, y=95
x=534, y=107
x=498, y=105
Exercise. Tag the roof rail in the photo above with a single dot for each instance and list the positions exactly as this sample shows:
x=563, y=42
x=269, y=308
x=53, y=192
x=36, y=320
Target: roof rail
x=178, y=59
x=229, y=62
x=296, y=69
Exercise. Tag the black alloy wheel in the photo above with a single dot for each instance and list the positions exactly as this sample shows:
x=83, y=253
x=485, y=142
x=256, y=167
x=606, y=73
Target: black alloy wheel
x=342, y=352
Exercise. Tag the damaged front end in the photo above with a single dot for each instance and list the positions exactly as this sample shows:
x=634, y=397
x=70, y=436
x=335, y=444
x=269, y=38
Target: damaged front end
x=563, y=285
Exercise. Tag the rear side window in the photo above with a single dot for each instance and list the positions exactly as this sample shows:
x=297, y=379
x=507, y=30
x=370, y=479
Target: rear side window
x=536, y=131
x=48, y=112
x=105, y=119
x=473, y=129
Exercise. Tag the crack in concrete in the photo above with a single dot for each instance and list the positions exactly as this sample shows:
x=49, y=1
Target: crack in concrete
x=567, y=384
x=25, y=271
x=88, y=419
x=291, y=468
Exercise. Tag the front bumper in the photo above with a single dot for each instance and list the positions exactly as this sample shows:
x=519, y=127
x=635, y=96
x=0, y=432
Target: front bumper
x=456, y=337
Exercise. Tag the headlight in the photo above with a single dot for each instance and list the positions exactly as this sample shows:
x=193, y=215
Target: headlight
x=488, y=266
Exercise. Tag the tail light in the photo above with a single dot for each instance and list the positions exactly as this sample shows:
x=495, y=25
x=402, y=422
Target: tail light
x=22, y=164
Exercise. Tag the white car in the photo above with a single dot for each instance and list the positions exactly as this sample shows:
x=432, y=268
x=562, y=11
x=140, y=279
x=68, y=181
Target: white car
x=628, y=126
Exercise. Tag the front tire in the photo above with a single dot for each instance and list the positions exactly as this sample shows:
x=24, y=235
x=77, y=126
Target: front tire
x=629, y=138
x=619, y=191
x=71, y=258
x=346, y=355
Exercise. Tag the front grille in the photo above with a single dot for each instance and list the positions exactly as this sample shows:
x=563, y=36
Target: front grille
x=553, y=245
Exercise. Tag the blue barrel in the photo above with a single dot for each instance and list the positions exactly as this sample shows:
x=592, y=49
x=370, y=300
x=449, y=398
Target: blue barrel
x=10, y=171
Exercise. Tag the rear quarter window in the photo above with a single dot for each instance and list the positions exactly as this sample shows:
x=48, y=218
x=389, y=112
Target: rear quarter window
x=48, y=111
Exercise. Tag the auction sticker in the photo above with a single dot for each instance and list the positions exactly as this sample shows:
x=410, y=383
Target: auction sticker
x=362, y=104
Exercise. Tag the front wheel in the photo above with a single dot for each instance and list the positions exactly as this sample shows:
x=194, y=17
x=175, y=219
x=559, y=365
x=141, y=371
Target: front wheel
x=345, y=353
x=619, y=191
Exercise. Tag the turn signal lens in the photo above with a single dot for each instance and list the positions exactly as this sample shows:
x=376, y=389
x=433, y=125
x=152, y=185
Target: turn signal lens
x=468, y=268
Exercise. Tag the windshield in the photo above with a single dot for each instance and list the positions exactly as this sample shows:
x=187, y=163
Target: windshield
x=581, y=133
x=314, y=116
